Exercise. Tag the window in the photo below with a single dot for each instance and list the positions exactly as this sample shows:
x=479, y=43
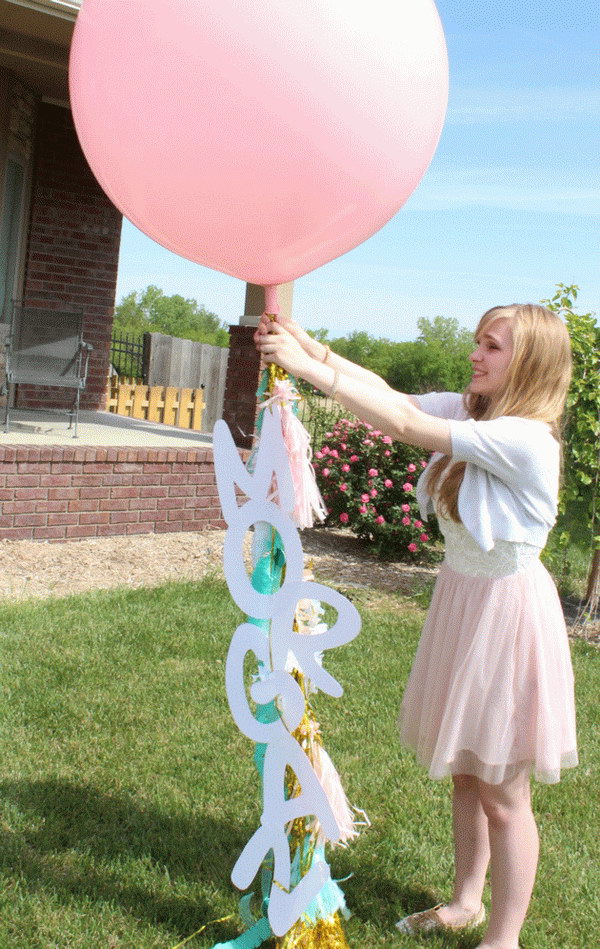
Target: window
x=10, y=235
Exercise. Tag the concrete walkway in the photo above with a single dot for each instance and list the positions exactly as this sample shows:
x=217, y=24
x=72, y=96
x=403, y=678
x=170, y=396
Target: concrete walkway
x=96, y=428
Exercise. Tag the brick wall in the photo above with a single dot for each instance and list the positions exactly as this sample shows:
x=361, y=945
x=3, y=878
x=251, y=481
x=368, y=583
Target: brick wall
x=243, y=376
x=72, y=252
x=59, y=494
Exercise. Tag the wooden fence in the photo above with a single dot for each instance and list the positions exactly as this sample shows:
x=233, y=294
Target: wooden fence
x=182, y=362
x=167, y=361
x=167, y=404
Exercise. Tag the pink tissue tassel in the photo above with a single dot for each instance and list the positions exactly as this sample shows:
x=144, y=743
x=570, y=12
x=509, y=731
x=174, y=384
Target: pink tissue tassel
x=332, y=785
x=309, y=503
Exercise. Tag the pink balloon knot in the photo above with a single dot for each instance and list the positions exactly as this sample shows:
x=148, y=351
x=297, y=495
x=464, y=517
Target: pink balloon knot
x=271, y=301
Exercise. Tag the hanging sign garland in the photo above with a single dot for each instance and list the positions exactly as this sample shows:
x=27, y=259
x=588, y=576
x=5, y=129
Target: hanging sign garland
x=304, y=805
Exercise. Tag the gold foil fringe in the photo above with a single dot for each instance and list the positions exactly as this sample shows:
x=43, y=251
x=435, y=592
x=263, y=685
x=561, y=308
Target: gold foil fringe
x=325, y=934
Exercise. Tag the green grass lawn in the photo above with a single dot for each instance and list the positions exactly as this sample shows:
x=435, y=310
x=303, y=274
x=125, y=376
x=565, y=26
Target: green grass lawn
x=127, y=793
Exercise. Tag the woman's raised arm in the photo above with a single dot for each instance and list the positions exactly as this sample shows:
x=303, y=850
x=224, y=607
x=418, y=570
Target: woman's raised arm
x=393, y=413
x=321, y=352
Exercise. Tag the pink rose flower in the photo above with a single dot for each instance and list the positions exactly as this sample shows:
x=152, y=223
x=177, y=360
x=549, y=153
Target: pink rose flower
x=407, y=486
x=325, y=450
x=353, y=457
x=411, y=467
x=343, y=487
x=345, y=467
x=412, y=548
x=344, y=518
x=386, y=440
x=423, y=464
x=388, y=484
x=373, y=492
x=406, y=508
x=418, y=523
x=365, y=497
x=328, y=434
x=380, y=520
x=343, y=446
x=362, y=509
x=334, y=453
x=406, y=521
x=373, y=472
x=387, y=454
x=325, y=472
x=424, y=537
x=318, y=454
x=376, y=433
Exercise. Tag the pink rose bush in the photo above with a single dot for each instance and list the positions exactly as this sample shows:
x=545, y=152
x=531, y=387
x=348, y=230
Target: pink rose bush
x=368, y=482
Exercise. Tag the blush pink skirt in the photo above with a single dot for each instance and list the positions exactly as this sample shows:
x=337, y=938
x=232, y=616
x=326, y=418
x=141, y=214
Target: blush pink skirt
x=491, y=689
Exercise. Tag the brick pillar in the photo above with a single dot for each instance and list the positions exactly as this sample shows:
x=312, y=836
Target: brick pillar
x=243, y=367
x=241, y=383
x=72, y=252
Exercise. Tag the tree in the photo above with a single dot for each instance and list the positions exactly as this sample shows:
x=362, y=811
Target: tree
x=371, y=352
x=582, y=432
x=438, y=360
x=150, y=311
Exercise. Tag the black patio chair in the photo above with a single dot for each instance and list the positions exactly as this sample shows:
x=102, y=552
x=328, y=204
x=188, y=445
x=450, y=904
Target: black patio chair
x=46, y=348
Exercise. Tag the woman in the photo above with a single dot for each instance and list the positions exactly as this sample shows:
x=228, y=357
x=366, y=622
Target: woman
x=490, y=696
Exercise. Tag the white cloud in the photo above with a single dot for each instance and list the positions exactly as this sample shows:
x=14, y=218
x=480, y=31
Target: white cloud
x=475, y=105
x=454, y=195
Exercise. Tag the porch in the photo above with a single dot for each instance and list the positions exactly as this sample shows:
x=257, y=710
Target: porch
x=120, y=476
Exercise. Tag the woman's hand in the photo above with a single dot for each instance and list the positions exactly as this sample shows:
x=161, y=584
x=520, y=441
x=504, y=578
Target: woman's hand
x=275, y=344
x=311, y=347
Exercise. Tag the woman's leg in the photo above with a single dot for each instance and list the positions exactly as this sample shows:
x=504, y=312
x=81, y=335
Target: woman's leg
x=514, y=854
x=471, y=851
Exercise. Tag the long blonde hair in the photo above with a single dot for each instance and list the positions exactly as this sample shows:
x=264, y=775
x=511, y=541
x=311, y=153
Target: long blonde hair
x=535, y=387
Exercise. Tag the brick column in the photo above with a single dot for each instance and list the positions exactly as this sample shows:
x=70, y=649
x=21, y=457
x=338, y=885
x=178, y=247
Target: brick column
x=241, y=383
x=243, y=367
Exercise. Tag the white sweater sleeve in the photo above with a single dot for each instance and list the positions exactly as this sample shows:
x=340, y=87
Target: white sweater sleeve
x=516, y=450
x=442, y=404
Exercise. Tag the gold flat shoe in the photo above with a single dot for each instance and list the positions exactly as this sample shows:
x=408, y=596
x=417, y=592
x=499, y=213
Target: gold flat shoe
x=429, y=921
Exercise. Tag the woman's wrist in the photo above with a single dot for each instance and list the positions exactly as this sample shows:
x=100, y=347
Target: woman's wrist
x=315, y=349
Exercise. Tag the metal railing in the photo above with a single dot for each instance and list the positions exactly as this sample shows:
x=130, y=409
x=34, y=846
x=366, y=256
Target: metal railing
x=127, y=356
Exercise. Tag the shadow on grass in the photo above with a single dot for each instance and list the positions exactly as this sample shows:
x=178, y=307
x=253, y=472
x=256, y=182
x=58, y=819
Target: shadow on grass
x=379, y=900
x=80, y=839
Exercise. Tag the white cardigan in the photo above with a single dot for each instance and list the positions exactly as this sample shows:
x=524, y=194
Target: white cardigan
x=510, y=487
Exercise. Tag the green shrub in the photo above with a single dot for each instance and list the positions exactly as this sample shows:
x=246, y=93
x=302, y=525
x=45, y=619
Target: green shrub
x=368, y=484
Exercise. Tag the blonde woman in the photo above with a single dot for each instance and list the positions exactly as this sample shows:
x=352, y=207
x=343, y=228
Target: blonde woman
x=490, y=696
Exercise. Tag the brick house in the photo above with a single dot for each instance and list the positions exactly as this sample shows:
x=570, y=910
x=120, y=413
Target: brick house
x=59, y=248
x=59, y=233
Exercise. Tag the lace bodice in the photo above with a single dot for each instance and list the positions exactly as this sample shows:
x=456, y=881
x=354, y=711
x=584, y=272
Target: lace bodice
x=464, y=555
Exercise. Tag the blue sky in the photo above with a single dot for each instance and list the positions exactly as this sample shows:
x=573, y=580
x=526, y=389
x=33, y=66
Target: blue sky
x=509, y=207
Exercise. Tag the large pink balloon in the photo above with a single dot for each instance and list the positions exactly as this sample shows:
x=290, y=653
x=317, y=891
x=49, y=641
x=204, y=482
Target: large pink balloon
x=259, y=137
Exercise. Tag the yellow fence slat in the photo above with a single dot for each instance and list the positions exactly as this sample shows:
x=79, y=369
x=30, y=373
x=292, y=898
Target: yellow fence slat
x=155, y=404
x=124, y=399
x=169, y=405
x=197, y=410
x=185, y=404
x=139, y=408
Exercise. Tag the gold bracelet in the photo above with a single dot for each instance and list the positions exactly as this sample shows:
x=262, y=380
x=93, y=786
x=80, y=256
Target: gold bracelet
x=327, y=353
x=336, y=382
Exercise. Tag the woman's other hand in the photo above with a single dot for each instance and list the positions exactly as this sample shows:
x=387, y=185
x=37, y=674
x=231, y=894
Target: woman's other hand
x=276, y=344
x=310, y=346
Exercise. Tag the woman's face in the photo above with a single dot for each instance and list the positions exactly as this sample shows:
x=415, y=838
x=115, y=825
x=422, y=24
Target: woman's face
x=491, y=358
